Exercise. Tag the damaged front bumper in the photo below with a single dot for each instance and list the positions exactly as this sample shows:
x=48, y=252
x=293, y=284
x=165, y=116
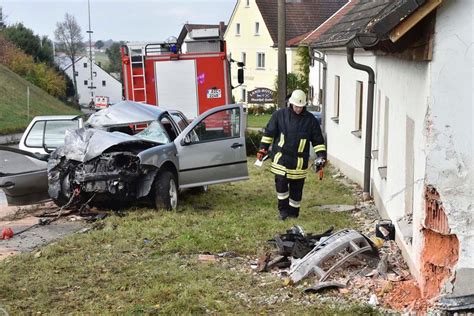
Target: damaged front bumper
x=116, y=175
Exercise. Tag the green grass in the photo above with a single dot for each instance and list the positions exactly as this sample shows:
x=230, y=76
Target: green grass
x=112, y=270
x=13, y=103
x=103, y=59
x=258, y=120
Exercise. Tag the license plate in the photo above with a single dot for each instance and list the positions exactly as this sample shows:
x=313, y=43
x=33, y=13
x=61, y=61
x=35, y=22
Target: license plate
x=214, y=93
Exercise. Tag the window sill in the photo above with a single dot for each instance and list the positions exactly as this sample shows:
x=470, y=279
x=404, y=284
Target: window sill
x=383, y=172
x=335, y=119
x=237, y=35
x=375, y=154
x=260, y=68
x=256, y=34
x=357, y=133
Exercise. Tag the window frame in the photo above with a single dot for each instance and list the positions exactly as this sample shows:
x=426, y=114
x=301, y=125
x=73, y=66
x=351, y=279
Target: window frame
x=337, y=99
x=237, y=29
x=257, y=29
x=260, y=67
x=358, y=118
x=193, y=131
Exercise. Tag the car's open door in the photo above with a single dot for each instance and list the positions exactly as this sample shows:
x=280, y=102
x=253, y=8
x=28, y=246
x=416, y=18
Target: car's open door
x=23, y=176
x=212, y=148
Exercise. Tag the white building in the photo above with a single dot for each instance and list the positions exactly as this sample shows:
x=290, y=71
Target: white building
x=103, y=84
x=252, y=37
x=421, y=162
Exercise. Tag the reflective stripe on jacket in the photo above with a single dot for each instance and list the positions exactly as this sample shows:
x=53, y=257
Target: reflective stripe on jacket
x=290, y=135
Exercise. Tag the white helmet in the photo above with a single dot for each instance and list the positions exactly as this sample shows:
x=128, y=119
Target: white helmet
x=298, y=98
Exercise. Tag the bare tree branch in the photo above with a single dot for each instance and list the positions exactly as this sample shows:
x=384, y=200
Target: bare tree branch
x=68, y=33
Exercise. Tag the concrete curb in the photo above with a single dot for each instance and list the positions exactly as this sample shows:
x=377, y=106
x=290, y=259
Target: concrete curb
x=10, y=139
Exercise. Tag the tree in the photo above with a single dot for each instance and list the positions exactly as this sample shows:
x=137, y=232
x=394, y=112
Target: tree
x=68, y=33
x=115, y=57
x=41, y=49
x=99, y=44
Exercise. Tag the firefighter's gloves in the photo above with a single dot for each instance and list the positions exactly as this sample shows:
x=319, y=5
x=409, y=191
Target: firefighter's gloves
x=261, y=154
x=319, y=163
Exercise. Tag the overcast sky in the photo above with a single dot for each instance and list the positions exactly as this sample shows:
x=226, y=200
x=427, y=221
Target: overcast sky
x=129, y=20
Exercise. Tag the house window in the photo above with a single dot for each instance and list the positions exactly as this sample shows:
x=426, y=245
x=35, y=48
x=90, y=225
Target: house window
x=409, y=165
x=385, y=132
x=85, y=65
x=243, y=95
x=95, y=74
x=260, y=60
x=257, y=28
x=247, y=3
x=76, y=73
x=358, y=109
x=337, y=94
x=237, y=29
x=103, y=83
x=85, y=82
x=244, y=58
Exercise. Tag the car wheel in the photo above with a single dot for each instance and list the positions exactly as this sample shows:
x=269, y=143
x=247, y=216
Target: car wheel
x=166, y=191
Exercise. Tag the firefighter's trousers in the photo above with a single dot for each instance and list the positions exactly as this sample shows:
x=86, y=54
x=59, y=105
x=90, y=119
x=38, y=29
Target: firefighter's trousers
x=289, y=193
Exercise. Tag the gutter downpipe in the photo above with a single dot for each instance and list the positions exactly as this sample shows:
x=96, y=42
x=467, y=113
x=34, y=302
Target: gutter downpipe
x=321, y=60
x=370, y=114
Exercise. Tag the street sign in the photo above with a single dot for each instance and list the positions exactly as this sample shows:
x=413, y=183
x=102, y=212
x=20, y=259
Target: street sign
x=260, y=95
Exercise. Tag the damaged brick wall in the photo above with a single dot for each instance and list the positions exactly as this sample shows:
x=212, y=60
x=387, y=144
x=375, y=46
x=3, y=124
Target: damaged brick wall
x=440, y=252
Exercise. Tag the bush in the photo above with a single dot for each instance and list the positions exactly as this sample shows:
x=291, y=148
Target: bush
x=260, y=110
x=252, y=141
x=39, y=74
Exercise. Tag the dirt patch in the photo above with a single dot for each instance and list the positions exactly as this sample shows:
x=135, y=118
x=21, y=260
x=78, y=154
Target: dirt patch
x=406, y=296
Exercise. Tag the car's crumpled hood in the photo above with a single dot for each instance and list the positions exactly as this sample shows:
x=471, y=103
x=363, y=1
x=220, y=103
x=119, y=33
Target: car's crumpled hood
x=124, y=113
x=85, y=144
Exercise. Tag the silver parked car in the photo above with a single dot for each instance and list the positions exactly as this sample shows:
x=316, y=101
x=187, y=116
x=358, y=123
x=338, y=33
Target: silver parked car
x=105, y=163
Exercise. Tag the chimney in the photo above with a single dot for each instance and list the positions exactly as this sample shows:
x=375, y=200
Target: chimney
x=221, y=28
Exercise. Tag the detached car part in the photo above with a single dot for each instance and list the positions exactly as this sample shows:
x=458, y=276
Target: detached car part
x=346, y=241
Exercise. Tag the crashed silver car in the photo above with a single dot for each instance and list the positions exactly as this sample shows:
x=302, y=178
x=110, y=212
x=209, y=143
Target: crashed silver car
x=108, y=162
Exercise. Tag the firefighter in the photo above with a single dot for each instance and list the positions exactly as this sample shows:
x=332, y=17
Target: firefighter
x=290, y=132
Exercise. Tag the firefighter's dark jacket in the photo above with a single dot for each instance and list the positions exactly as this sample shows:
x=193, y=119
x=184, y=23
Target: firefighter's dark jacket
x=290, y=135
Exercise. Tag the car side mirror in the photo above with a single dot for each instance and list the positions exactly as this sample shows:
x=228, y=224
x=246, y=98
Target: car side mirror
x=240, y=75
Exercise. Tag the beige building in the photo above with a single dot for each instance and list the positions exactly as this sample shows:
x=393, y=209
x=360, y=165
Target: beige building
x=252, y=37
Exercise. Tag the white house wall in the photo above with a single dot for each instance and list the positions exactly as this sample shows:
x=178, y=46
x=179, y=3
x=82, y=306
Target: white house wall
x=405, y=85
x=345, y=150
x=450, y=132
x=112, y=89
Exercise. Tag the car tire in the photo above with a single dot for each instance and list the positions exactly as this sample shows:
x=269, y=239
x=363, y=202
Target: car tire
x=166, y=191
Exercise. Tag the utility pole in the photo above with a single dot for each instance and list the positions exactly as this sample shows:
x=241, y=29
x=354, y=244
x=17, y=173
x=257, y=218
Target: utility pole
x=281, y=53
x=91, y=81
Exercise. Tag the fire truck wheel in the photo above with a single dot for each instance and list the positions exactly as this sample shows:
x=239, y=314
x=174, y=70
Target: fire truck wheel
x=166, y=191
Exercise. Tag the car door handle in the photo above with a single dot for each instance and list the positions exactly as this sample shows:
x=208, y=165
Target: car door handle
x=236, y=145
x=7, y=185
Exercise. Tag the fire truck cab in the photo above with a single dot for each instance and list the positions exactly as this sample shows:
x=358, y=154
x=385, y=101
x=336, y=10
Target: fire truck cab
x=191, y=82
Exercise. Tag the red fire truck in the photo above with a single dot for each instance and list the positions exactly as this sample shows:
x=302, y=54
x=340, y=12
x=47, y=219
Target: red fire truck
x=192, y=82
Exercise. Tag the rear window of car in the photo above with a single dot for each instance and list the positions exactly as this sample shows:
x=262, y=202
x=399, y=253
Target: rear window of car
x=179, y=120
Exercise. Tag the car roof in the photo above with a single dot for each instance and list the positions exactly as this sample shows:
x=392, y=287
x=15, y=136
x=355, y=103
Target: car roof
x=125, y=113
x=55, y=117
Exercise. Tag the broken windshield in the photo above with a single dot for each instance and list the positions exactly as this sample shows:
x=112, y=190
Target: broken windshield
x=155, y=133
